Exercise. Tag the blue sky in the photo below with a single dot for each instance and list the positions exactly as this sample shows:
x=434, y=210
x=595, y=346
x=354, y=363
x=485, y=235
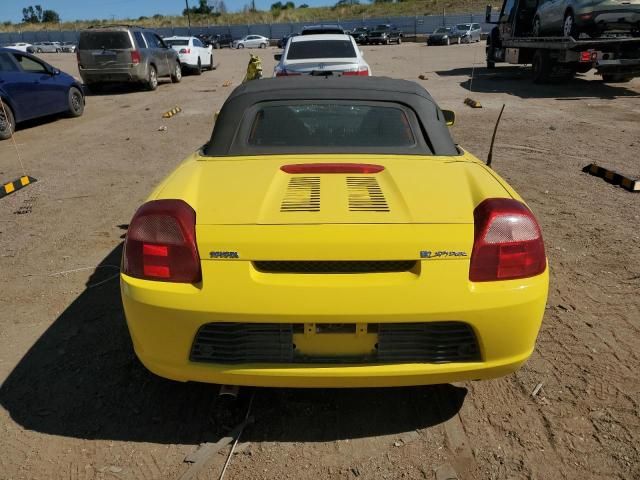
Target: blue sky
x=90, y=9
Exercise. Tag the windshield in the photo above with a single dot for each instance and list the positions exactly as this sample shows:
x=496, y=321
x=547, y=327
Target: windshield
x=321, y=49
x=178, y=43
x=443, y=30
x=331, y=124
x=463, y=26
x=104, y=40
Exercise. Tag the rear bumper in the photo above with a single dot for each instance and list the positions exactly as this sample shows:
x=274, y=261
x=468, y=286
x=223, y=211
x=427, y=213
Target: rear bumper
x=613, y=18
x=134, y=74
x=164, y=319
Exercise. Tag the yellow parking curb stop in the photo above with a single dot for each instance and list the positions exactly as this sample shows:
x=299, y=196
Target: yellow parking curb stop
x=174, y=111
x=16, y=185
x=472, y=103
x=615, y=178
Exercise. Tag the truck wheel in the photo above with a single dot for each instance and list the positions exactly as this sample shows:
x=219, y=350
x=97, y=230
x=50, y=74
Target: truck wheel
x=7, y=124
x=536, y=30
x=541, y=66
x=491, y=65
x=615, y=78
x=569, y=26
x=399, y=40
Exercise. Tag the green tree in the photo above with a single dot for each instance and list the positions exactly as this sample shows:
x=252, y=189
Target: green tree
x=50, y=16
x=303, y=5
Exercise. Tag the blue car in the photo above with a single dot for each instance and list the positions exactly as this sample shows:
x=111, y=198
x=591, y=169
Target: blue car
x=31, y=88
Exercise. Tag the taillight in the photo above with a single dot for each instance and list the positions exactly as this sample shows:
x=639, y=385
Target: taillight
x=508, y=242
x=161, y=243
x=185, y=50
x=135, y=56
x=588, y=57
x=300, y=168
x=363, y=72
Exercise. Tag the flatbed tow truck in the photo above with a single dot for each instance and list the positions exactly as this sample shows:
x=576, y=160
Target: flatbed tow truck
x=615, y=57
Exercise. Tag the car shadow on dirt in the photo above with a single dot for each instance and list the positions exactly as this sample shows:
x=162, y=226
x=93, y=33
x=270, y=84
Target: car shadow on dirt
x=82, y=379
x=516, y=80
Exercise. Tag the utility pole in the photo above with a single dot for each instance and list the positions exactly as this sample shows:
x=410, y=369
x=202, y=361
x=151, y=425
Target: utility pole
x=188, y=15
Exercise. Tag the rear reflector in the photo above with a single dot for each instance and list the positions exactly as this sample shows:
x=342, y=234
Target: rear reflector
x=508, y=242
x=332, y=168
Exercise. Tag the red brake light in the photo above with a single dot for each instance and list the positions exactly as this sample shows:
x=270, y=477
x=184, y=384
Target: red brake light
x=588, y=56
x=135, y=56
x=332, y=168
x=161, y=243
x=185, y=50
x=357, y=73
x=508, y=242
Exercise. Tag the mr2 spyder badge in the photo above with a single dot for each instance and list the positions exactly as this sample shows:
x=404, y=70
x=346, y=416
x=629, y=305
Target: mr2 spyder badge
x=441, y=254
x=219, y=254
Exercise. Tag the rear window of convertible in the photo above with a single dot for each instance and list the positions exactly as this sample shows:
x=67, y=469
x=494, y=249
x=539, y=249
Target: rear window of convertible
x=330, y=125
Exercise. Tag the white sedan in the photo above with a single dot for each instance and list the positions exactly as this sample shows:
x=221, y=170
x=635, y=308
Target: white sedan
x=192, y=53
x=251, y=41
x=321, y=54
x=23, y=47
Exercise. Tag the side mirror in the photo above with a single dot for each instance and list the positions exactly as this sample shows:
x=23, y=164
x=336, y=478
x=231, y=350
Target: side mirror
x=449, y=117
x=277, y=57
x=487, y=14
x=54, y=71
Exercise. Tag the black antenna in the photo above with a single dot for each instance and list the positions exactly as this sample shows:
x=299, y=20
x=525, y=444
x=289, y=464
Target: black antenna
x=493, y=138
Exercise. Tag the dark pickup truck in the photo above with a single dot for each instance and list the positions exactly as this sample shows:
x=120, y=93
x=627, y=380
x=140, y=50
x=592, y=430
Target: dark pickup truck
x=384, y=34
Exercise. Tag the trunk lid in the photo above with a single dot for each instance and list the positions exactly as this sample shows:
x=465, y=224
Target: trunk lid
x=333, y=64
x=255, y=191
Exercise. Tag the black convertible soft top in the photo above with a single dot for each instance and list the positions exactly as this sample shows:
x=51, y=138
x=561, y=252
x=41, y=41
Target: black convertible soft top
x=227, y=140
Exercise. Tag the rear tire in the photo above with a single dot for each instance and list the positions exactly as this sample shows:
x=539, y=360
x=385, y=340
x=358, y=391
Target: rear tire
x=210, y=67
x=541, y=67
x=263, y=45
x=241, y=45
x=176, y=76
x=7, y=122
x=152, y=79
x=76, y=102
x=198, y=70
x=399, y=40
x=491, y=65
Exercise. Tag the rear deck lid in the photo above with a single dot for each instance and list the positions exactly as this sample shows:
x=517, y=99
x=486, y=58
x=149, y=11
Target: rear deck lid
x=251, y=190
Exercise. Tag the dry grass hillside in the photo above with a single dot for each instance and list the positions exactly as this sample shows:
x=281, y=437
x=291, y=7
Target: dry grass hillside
x=365, y=10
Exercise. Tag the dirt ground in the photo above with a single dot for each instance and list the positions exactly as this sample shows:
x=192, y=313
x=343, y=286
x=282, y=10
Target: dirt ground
x=76, y=403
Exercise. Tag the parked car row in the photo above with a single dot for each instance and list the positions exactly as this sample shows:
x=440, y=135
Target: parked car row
x=461, y=33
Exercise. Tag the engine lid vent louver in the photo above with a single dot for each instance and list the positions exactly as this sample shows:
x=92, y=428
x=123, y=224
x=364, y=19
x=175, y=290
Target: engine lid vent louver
x=303, y=195
x=365, y=195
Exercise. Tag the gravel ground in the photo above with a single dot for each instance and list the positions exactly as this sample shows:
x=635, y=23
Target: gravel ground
x=76, y=404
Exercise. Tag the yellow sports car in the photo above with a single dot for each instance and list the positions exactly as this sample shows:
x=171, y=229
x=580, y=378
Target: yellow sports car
x=331, y=234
